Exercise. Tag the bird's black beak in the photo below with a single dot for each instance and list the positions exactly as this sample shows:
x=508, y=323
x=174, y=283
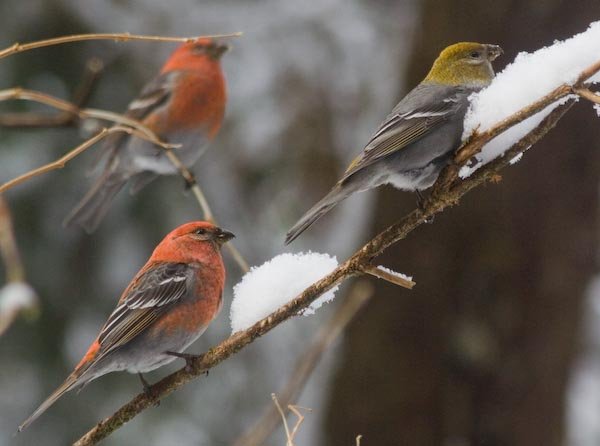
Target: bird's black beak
x=222, y=236
x=219, y=49
x=494, y=51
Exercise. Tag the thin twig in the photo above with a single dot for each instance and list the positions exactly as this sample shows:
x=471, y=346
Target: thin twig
x=192, y=183
x=296, y=410
x=289, y=435
x=283, y=419
x=93, y=68
x=358, y=438
x=442, y=198
x=119, y=37
x=82, y=113
x=380, y=273
x=360, y=293
x=62, y=161
x=15, y=272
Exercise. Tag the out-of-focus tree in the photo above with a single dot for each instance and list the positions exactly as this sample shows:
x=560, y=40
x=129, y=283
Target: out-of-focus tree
x=480, y=352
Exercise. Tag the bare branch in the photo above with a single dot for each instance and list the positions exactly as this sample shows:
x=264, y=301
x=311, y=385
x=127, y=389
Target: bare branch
x=61, y=162
x=296, y=411
x=289, y=440
x=118, y=37
x=93, y=68
x=82, y=113
x=190, y=179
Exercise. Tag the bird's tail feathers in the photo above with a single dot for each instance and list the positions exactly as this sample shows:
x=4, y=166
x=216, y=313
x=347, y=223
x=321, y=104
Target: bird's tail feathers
x=95, y=204
x=328, y=202
x=72, y=381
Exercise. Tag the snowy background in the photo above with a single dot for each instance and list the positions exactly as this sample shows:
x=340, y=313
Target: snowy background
x=308, y=83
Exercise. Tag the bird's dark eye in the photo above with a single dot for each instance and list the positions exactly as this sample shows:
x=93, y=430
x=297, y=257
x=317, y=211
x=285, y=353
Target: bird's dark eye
x=200, y=231
x=199, y=49
x=475, y=55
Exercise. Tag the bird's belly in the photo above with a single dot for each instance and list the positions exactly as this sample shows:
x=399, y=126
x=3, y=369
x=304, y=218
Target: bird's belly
x=148, y=353
x=417, y=179
x=149, y=157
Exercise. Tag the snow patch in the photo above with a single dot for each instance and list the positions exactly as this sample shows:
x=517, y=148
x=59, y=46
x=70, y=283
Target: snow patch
x=17, y=296
x=394, y=273
x=526, y=80
x=277, y=281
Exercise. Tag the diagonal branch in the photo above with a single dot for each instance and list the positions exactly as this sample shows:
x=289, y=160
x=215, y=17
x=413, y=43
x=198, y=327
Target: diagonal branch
x=62, y=161
x=74, y=110
x=191, y=182
x=447, y=192
x=92, y=71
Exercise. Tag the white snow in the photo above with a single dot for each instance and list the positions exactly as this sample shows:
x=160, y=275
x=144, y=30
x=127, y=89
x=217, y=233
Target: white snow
x=277, y=281
x=526, y=80
x=16, y=296
x=516, y=158
x=394, y=273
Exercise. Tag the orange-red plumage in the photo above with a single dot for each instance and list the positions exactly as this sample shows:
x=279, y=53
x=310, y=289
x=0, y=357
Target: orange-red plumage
x=168, y=304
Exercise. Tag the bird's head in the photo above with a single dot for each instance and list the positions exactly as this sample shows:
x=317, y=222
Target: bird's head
x=191, y=241
x=465, y=63
x=198, y=52
x=207, y=47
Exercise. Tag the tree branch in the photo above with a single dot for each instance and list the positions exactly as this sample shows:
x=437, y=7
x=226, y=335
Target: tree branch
x=446, y=192
x=92, y=71
x=118, y=37
x=190, y=180
x=62, y=161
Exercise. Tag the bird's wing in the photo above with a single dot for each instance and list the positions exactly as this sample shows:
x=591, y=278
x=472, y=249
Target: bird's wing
x=154, y=95
x=403, y=127
x=144, y=301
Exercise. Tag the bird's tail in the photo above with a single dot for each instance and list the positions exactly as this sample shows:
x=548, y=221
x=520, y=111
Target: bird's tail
x=95, y=204
x=328, y=202
x=72, y=381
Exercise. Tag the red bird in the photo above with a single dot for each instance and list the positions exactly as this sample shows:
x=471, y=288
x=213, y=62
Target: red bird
x=184, y=105
x=167, y=306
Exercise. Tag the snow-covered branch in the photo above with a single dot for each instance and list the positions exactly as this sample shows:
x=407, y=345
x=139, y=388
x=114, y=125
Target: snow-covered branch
x=447, y=191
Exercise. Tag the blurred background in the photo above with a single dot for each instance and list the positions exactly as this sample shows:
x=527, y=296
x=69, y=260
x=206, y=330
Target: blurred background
x=497, y=345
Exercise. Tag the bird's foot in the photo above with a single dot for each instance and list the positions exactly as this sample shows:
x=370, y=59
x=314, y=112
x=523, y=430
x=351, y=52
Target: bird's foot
x=190, y=182
x=148, y=389
x=421, y=205
x=189, y=359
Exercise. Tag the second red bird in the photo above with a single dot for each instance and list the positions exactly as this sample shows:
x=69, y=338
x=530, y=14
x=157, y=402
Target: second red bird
x=184, y=104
